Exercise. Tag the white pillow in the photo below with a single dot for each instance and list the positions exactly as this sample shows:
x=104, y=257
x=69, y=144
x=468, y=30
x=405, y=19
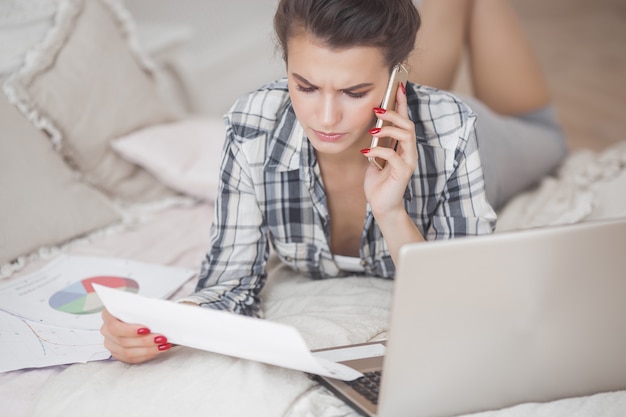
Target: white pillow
x=184, y=155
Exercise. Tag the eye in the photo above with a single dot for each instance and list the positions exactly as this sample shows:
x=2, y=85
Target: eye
x=305, y=89
x=354, y=95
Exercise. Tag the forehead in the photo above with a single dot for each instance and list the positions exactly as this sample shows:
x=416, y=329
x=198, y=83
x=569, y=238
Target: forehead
x=307, y=54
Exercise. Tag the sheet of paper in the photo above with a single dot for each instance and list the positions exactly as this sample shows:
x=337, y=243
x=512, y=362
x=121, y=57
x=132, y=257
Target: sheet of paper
x=222, y=332
x=26, y=344
x=352, y=353
x=61, y=293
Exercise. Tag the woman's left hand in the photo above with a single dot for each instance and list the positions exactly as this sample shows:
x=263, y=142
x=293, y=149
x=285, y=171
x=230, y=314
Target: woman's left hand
x=384, y=189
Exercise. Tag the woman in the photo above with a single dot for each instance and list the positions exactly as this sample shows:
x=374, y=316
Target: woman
x=295, y=173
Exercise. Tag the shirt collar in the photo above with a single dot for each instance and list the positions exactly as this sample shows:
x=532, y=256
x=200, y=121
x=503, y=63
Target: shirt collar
x=286, y=143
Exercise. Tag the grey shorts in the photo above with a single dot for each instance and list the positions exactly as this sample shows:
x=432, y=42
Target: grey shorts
x=516, y=152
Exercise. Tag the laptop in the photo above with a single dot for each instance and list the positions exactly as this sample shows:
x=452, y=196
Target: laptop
x=483, y=323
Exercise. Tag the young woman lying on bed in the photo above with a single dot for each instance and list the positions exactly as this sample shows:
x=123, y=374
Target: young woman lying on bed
x=295, y=172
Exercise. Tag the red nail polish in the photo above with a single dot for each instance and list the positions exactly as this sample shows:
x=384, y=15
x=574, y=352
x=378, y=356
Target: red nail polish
x=403, y=88
x=365, y=151
x=379, y=110
x=143, y=331
x=164, y=346
x=159, y=340
x=374, y=130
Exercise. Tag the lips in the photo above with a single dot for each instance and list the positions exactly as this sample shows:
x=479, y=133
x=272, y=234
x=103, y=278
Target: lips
x=328, y=137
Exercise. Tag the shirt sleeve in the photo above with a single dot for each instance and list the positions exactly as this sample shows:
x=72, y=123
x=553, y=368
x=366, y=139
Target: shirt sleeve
x=234, y=269
x=463, y=209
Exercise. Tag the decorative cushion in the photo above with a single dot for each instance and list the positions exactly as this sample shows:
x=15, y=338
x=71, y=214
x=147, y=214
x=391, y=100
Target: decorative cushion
x=43, y=202
x=185, y=155
x=87, y=84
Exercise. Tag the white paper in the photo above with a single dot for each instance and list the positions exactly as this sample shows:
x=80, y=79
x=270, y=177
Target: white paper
x=222, y=332
x=26, y=344
x=60, y=293
x=352, y=353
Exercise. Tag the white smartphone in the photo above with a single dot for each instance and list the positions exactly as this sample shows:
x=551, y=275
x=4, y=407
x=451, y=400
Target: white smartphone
x=399, y=74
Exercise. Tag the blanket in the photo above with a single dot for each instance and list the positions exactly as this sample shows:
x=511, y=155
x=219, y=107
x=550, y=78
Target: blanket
x=327, y=313
x=194, y=383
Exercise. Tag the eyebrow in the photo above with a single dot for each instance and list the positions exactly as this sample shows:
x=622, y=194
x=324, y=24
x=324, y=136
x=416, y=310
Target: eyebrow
x=310, y=84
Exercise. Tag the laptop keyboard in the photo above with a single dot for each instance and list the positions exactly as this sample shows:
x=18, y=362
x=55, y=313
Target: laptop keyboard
x=368, y=385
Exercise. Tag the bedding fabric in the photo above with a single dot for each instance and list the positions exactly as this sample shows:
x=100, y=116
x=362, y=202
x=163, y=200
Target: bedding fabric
x=327, y=313
x=587, y=186
x=195, y=383
x=21, y=25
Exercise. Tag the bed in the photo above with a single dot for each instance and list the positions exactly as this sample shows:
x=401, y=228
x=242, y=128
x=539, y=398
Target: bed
x=143, y=188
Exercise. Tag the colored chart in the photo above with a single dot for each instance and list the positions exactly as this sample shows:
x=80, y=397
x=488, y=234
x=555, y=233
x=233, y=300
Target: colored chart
x=81, y=298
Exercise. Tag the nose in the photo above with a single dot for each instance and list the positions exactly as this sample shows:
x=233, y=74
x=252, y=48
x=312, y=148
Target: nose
x=330, y=111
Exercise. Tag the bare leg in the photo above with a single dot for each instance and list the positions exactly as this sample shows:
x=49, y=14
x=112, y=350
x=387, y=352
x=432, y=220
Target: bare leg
x=440, y=42
x=505, y=73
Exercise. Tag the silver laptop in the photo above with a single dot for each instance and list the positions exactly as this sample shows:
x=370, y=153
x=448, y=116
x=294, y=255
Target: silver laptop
x=483, y=323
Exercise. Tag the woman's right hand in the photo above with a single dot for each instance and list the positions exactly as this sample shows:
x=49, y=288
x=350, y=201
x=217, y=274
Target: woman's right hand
x=131, y=343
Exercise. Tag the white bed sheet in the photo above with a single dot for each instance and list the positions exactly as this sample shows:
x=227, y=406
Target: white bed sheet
x=187, y=382
x=177, y=235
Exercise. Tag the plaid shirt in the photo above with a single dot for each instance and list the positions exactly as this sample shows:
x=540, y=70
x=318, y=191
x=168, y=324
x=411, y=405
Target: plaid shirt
x=271, y=193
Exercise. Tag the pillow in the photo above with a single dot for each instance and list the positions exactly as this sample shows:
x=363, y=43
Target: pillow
x=86, y=84
x=185, y=155
x=43, y=202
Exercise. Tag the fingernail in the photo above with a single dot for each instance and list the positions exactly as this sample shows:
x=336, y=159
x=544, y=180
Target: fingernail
x=403, y=88
x=374, y=130
x=143, y=331
x=365, y=151
x=159, y=340
x=379, y=110
x=164, y=346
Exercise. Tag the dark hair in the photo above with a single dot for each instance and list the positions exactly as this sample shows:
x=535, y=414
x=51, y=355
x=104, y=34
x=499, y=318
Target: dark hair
x=390, y=25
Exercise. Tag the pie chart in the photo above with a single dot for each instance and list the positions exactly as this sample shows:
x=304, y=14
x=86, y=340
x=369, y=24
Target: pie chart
x=81, y=298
